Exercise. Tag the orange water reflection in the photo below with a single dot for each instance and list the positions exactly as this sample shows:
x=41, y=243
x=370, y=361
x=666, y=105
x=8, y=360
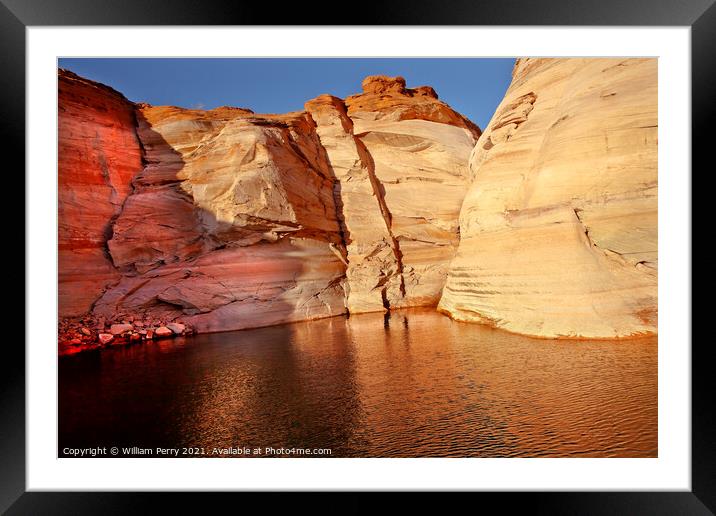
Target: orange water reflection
x=414, y=384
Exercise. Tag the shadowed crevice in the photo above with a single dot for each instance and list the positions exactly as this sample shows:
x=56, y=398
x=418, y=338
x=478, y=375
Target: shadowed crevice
x=379, y=192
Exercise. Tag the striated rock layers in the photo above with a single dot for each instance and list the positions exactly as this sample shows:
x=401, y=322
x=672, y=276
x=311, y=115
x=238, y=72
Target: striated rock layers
x=98, y=154
x=232, y=222
x=399, y=158
x=559, y=227
x=226, y=219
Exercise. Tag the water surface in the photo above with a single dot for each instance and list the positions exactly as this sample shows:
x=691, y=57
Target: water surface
x=416, y=384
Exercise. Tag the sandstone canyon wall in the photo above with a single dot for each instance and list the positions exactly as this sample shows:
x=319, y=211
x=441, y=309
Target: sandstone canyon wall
x=558, y=232
x=398, y=155
x=545, y=224
x=231, y=224
x=98, y=154
x=225, y=219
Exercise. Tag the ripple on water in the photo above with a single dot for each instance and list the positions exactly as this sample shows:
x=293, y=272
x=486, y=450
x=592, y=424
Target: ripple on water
x=422, y=385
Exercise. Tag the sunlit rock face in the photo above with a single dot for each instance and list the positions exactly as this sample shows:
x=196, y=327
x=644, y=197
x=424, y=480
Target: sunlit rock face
x=231, y=224
x=226, y=219
x=559, y=228
x=400, y=157
x=98, y=154
x=374, y=272
x=544, y=225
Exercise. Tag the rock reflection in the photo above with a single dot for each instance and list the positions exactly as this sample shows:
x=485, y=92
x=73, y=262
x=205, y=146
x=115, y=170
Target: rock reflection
x=412, y=384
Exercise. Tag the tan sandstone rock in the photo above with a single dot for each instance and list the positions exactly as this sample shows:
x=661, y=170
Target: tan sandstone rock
x=231, y=224
x=559, y=228
x=418, y=150
x=374, y=271
x=163, y=331
x=177, y=328
x=400, y=159
x=105, y=338
x=117, y=329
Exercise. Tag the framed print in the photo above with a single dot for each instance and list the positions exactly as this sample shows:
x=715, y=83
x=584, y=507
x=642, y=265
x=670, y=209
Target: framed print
x=441, y=249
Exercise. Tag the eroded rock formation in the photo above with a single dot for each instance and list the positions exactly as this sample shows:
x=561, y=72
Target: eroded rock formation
x=417, y=148
x=544, y=225
x=559, y=228
x=226, y=219
x=98, y=155
x=232, y=223
x=399, y=157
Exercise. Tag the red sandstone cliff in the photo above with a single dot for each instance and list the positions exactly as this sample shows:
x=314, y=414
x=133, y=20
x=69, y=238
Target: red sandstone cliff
x=98, y=154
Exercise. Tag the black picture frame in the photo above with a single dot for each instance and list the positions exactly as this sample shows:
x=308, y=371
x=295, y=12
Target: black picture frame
x=16, y=15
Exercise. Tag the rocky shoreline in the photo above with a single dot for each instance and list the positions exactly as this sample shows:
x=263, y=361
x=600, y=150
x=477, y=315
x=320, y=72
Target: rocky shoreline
x=89, y=333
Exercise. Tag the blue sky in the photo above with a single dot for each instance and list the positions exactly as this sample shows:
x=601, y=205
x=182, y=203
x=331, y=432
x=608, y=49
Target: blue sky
x=474, y=87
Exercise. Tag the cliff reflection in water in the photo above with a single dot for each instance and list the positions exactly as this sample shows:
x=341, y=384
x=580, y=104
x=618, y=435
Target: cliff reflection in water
x=415, y=384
